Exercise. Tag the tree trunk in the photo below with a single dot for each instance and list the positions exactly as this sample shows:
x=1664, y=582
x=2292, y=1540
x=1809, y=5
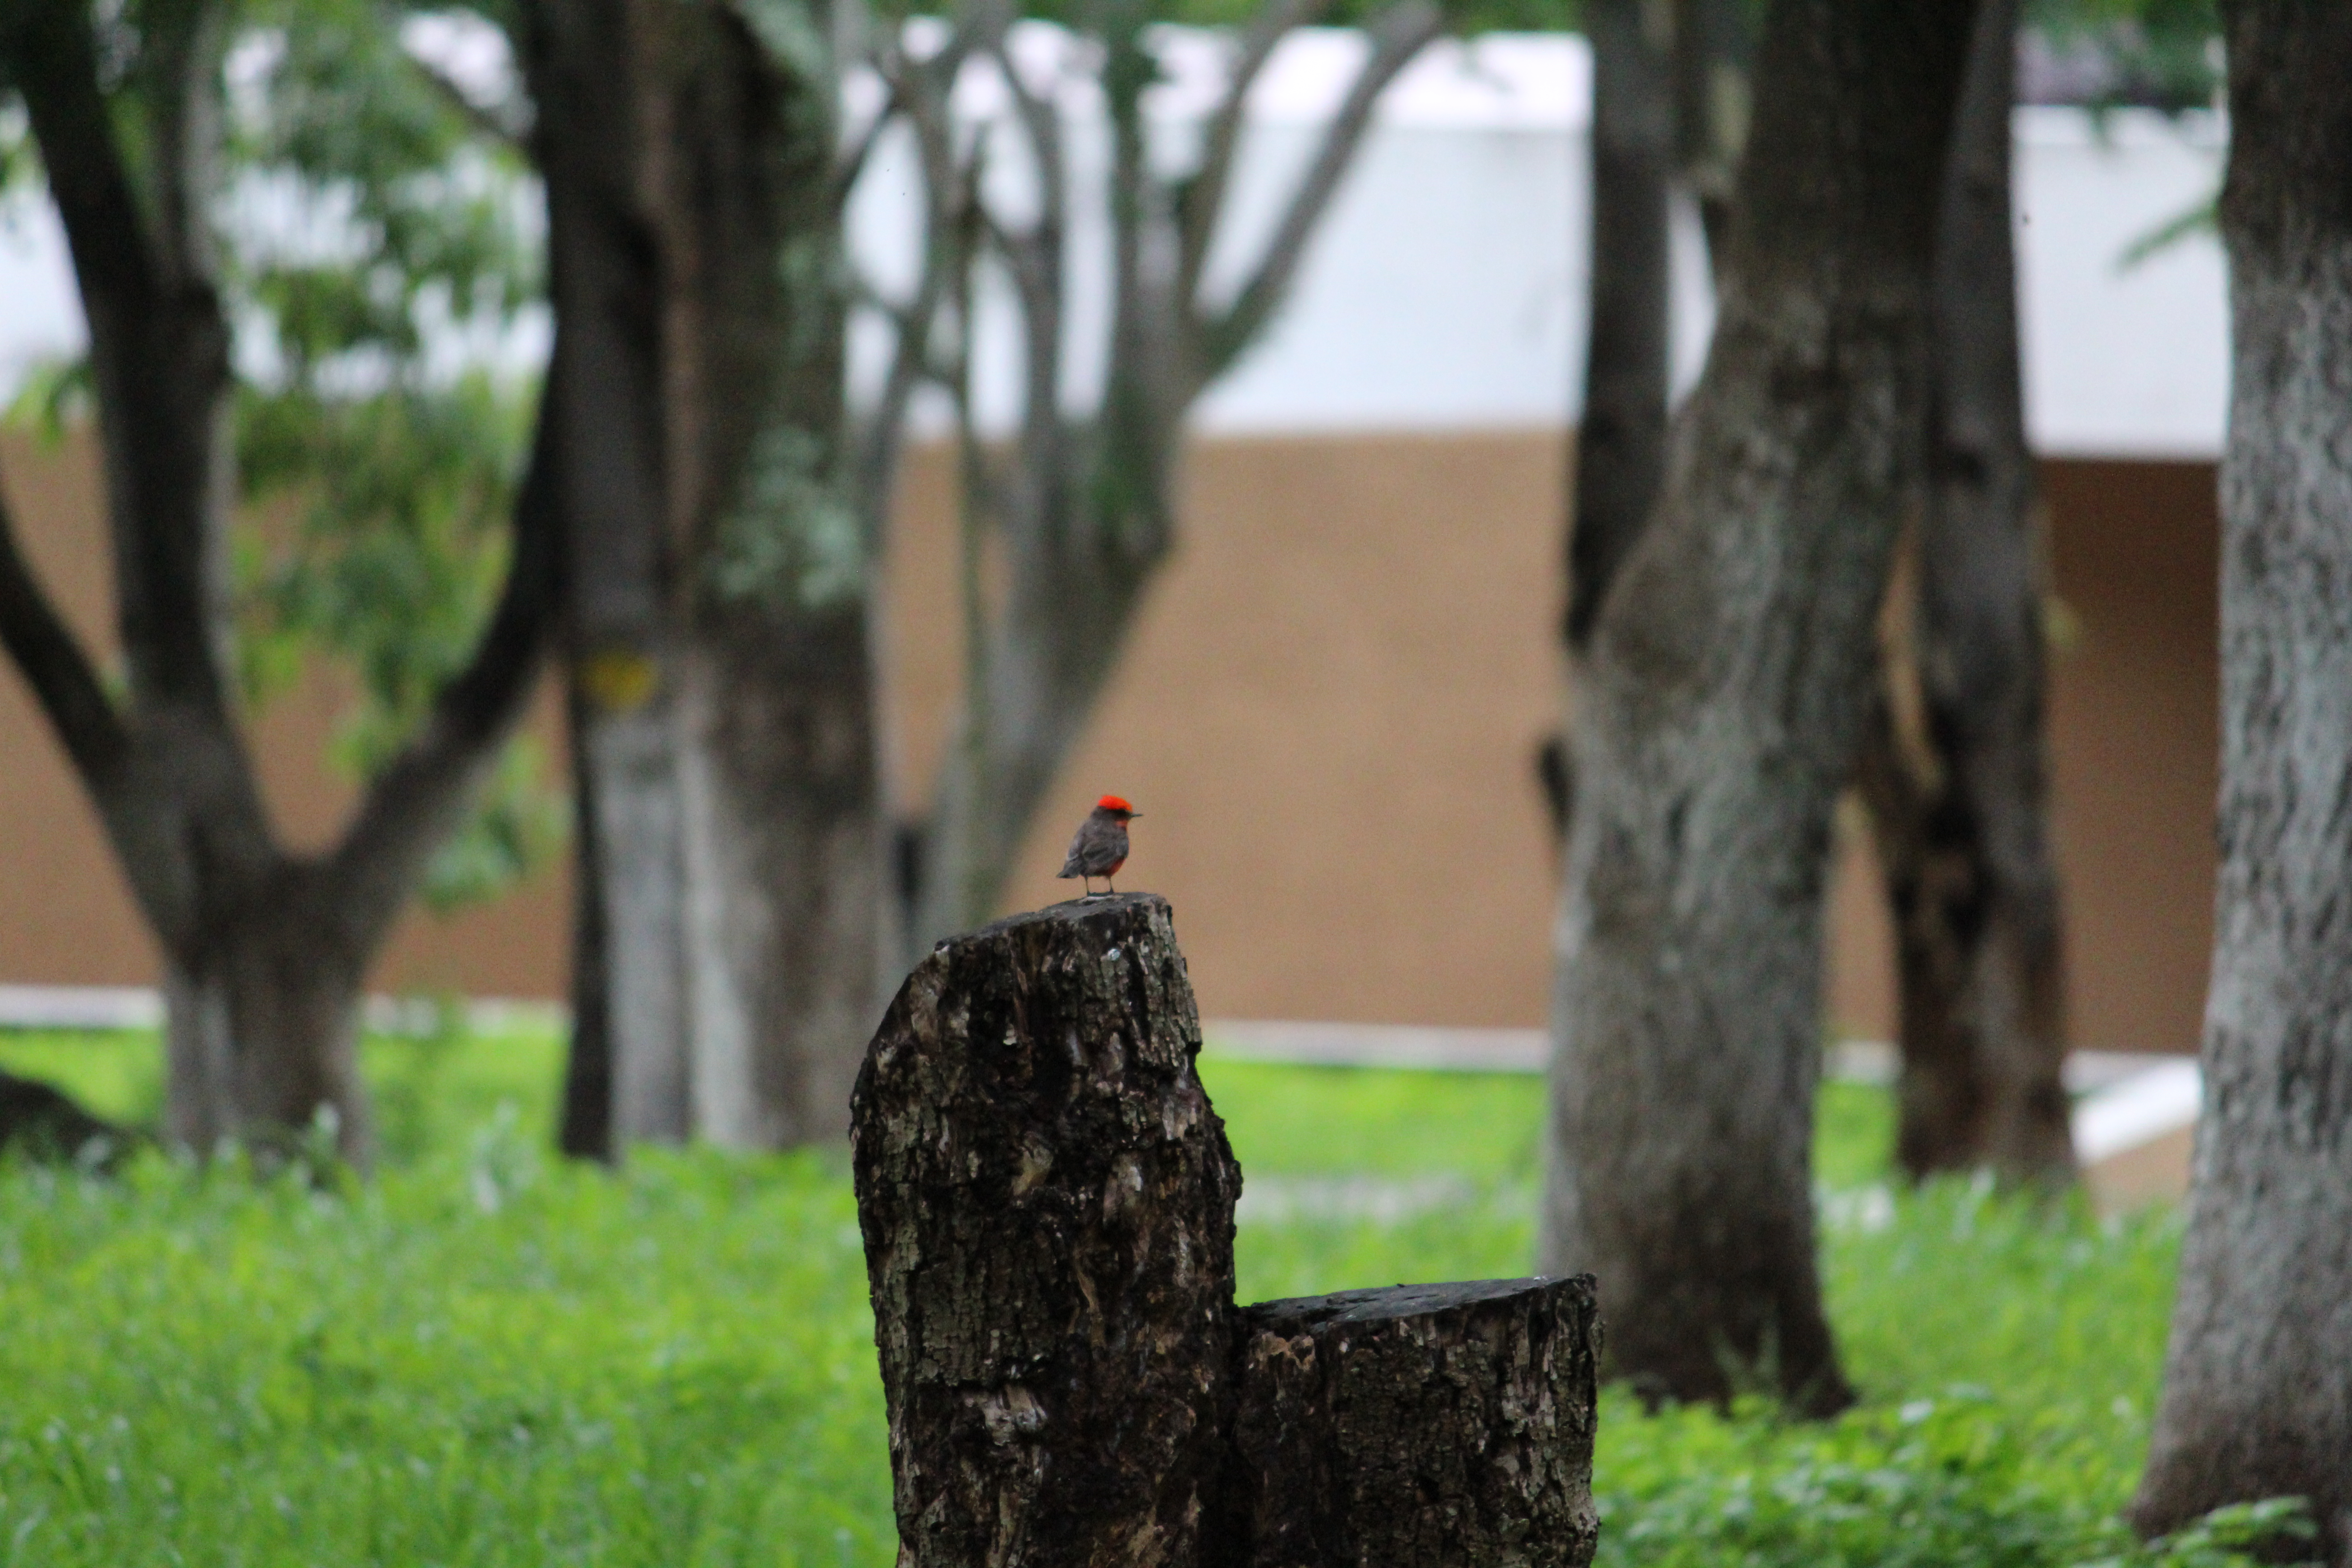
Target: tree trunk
x=586, y=1130
x=262, y=1028
x=1621, y=443
x=266, y=951
x=640, y=857
x=786, y=872
x=1955, y=770
x=1422, y=1427
x=1713, y=101
x=2258, y=1379
x=718, y=591
x=1729, y=678
x=1046, y=1198
x=1047, y=1205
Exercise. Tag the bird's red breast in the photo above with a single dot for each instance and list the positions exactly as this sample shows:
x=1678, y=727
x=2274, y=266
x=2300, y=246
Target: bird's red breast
x=1098, y=849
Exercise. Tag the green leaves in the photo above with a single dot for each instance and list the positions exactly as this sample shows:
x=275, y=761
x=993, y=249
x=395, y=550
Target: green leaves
x=2161, y=53
x=383, y=252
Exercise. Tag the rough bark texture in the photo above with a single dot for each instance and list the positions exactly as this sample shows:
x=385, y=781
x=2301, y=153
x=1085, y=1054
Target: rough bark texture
x=265, y=949
x=2258, y=1379
x=715, y=591
x=1729, y=678
x=1713, y=102
x=1621, y=443
x=1047, y=1202
x=1669, y=101
x=1415, y=1427
x=1955, y=768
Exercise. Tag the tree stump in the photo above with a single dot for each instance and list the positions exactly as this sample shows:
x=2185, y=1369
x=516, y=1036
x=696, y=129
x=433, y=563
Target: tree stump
x=1048, y=1205
x=44, y=1123
x=1423, y=1426
x=1047, y=1202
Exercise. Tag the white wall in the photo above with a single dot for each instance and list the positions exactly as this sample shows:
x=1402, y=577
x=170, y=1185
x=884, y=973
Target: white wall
x=1446, y=289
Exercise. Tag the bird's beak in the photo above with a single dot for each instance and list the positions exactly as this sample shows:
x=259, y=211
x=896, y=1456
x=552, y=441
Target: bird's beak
x=1133, y=816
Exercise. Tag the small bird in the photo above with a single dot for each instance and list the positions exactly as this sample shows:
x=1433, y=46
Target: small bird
x=1098, y=849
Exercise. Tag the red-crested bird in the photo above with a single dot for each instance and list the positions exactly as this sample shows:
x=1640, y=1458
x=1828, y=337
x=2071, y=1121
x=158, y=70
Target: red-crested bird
x=1098, y=849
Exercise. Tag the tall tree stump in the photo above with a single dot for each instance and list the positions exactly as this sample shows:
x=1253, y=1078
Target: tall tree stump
x=1047, y=1203
x=1423, y=1426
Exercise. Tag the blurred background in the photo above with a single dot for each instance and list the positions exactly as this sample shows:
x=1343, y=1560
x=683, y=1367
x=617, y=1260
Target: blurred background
x=1330, y=705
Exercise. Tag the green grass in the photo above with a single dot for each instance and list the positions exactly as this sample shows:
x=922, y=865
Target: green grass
x=482, y=1355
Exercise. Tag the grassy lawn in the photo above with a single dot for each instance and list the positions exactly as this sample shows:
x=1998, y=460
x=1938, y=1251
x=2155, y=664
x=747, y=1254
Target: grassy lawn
x=482, y=1355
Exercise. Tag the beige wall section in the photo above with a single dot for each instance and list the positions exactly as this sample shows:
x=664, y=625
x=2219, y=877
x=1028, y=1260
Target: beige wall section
x=1327, y=716
x=67, y=917
x=2135, y=709
x=1329, y=708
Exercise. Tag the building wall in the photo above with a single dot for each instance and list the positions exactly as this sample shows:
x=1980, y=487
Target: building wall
x=66, y=914
x=1328, y=716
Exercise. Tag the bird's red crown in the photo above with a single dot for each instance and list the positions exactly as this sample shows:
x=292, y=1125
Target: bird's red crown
x=1115, y=803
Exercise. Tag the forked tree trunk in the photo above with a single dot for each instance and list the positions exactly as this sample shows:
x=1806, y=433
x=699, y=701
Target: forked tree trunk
x=265, y=950
x=1669, y=84
x=2258, y=1380
x=263, y=1038
x=1955, y=768
x=1729, y=678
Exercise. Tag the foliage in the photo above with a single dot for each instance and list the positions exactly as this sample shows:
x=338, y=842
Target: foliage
x=375, y=225
x=2163, y=54
x=483, y=1357
x=380, y=251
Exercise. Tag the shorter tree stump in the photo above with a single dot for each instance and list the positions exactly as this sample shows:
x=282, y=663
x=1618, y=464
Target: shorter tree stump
x=1423, y=1426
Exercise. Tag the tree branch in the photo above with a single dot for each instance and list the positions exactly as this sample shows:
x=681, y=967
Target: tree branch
x=1034, y=256
x=416, y=801
x=106, y=757
x=1203, y=199
x=504, y=129
x=1397, y=34
x=920, y=87
x=159, y=359
x=860, y=152
x=60, y=674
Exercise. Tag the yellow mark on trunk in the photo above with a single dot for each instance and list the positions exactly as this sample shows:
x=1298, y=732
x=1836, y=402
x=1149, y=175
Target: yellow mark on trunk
x=619, y=679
